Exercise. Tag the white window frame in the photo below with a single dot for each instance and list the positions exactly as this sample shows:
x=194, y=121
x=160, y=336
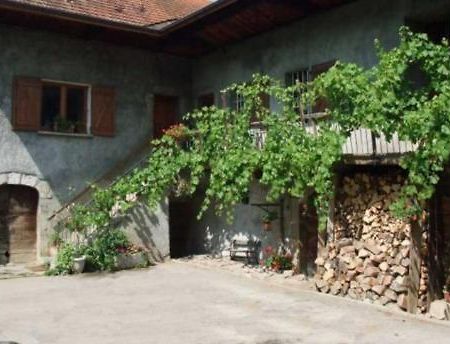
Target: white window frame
x=88, y=99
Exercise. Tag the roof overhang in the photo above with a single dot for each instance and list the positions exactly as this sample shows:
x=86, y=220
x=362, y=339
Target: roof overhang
x=221, y=23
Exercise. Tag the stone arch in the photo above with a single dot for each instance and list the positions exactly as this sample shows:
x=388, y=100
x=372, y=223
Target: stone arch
x=14, y=178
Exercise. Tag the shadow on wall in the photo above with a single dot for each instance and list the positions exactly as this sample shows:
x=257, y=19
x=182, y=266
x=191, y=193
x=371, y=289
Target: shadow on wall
x=215, y=235
x=148, y=229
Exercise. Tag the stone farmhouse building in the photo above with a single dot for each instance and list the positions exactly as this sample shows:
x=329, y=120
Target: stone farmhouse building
x=85, y=84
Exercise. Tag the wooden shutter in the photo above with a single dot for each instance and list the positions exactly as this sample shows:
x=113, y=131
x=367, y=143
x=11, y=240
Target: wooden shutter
x=103, y=111
x=321, y=104
x=165, y=114
x=27, y=104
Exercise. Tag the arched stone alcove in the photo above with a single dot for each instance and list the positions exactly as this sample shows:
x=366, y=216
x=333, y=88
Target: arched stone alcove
x=45, y=208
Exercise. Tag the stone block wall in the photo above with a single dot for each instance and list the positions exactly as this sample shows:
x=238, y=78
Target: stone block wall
x=369, y=257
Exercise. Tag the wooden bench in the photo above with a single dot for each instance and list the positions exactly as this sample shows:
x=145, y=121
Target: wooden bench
x=245, y=249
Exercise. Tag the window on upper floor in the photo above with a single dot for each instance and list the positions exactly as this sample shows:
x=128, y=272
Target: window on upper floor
x=63, y=107
x=236, y=102
x=305, y=76
x=436, y=27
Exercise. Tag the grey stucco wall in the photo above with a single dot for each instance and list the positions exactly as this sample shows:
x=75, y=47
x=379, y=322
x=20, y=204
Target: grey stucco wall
x=149, y=229
x=69, y=164
x=346, y=34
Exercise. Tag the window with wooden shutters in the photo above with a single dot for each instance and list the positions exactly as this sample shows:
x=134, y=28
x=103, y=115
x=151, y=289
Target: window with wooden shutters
x=49, y=106
x=103, y=111
x=27, y=104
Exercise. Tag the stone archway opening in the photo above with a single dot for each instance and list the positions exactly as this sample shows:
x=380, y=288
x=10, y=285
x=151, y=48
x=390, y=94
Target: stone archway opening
x=18, y=224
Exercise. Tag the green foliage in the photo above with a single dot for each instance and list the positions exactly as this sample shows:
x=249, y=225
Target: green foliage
x=407, y=94
x=102, y=252
x=386, y=99
x=279, y=262
x=64, y=260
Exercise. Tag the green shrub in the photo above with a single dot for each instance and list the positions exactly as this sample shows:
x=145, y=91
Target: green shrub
x=278, y=262
x=101, y=253
x=64, y=260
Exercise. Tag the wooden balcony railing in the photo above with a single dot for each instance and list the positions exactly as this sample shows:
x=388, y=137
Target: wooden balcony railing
x=362, y=143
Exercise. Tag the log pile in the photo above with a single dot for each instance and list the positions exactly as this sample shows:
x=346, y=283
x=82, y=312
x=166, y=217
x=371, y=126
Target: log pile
x=369, y=258
x=423, y=288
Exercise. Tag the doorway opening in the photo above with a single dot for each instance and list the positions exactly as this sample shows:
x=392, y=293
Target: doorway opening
x=165, y=114
x=18, y=222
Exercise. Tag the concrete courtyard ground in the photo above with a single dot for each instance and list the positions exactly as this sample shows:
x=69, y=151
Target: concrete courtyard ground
x=179, y=302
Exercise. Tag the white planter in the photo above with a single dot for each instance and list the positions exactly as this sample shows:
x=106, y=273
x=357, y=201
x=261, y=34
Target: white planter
x=79, y=264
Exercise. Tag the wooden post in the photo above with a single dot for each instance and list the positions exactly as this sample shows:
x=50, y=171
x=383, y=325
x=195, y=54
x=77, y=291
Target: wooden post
x=414, y=267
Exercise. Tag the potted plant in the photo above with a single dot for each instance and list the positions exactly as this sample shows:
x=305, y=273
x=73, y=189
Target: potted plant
x=267, y=220
x=62, y=124
x=131, y=257
x=79, y=261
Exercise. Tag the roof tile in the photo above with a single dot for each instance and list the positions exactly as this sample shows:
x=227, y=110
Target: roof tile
x=133, y=12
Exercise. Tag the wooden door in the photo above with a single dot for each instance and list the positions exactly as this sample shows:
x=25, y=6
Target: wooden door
x=165, y=114
x=18, y=211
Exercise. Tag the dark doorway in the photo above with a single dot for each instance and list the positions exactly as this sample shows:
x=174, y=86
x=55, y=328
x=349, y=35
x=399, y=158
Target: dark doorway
x=165, y=114
x=18, y=211
x=181, y=213
x=309, y=237
x=439, y=239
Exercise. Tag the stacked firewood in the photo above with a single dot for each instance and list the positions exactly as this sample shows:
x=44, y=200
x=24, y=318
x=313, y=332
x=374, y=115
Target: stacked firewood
x=369, y=258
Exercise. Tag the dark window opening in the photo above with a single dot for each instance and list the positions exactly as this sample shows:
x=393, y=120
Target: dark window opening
x=64, y=108
x=436, y=28
x=206, y=100
x=76, y=108
x=416, y=77
x=51, y=102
